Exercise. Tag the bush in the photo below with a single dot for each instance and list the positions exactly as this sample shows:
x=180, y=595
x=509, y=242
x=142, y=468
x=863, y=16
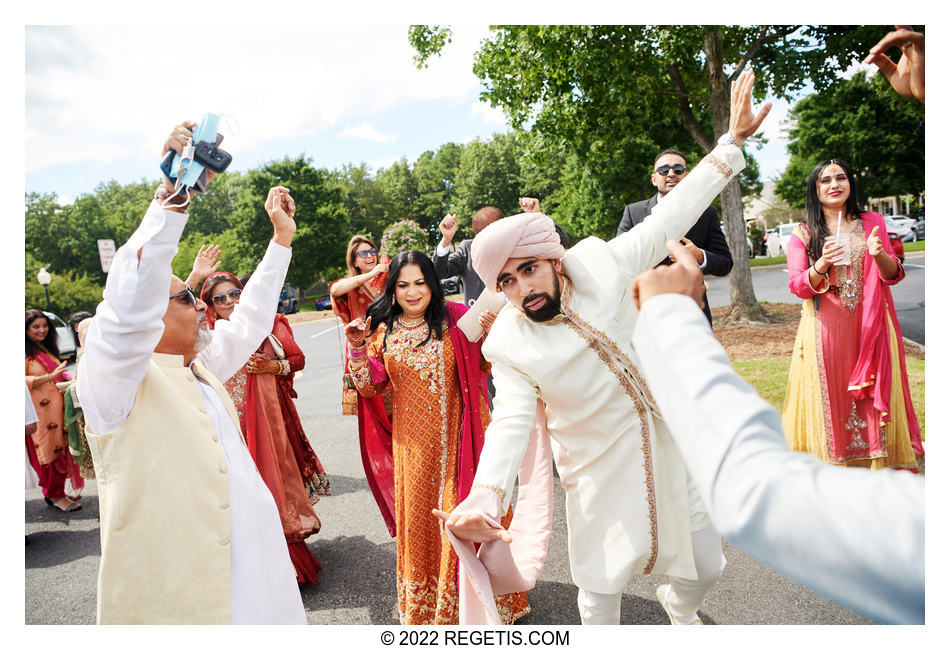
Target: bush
x=68, y=293
x=404, y=236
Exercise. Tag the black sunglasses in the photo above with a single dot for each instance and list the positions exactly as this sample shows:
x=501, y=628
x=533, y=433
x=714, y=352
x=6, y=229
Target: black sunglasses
x=233, y=294
x=677, y=169
x=366, y=253
x=186, y=295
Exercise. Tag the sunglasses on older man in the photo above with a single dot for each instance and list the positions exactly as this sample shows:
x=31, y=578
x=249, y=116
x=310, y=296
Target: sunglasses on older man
x=366, y=253
x=221, y=298
x=187, y=295
x=664, y=170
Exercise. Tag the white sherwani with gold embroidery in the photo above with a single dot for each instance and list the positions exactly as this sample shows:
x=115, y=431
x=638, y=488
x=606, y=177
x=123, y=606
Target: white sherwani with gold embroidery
x=625, y=482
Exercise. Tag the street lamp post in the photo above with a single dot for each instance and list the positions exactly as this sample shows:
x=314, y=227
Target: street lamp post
x=44, y=278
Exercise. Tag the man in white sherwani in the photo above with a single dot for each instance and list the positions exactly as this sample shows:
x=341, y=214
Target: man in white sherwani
x=565, y=337
x=190, y=532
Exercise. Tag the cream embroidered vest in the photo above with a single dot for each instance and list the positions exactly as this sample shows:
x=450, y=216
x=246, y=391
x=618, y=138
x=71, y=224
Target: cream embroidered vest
x=164, y=505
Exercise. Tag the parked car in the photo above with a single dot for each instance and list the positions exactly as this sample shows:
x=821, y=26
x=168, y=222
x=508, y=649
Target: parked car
x=322, y=303
x=895, y=237
x=899, y=225
x=777, y=243
x=905, y=222
x=287, y=304
x=64, y=336
x=451, y=285
x=919, y=228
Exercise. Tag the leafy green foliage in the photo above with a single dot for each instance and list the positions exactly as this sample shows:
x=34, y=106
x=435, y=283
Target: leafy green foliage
x=865, y=123
x=428, y=41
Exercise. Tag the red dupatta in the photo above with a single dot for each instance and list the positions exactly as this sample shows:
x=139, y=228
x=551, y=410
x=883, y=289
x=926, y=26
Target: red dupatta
x=376, y=429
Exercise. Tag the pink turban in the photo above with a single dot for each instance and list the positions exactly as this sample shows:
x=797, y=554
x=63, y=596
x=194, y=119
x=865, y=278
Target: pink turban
x=530, y=234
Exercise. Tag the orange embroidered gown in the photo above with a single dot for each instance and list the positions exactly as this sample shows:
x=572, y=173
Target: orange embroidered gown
x=427, y=415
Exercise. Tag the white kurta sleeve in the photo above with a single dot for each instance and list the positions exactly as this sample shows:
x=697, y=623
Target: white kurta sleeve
x=507, y=436
x=128, y=322
x=234, y=340
x=644, y=246
x=853, y=535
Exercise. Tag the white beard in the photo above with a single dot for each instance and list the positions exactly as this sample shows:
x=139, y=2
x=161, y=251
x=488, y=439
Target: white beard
x=204, y=338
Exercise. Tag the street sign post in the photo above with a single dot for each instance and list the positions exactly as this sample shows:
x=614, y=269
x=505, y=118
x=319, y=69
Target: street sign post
x=106, y=253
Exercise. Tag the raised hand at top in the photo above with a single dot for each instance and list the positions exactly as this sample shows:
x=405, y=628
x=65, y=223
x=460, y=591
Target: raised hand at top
x=742, y=121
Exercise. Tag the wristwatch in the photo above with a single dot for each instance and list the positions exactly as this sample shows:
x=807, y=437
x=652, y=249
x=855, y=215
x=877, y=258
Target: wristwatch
x=726, y=138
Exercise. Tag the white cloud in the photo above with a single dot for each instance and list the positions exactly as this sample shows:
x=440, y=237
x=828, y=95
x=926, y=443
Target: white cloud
x=100, y=93
x=488, y=114
x=382, y=163
x=365, y=131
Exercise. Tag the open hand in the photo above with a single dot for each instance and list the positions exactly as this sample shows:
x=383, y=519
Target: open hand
x=356, y=331
x=907, y=75
x=683, y=276
x=206, y=262
x=57, y=370
x=742, y=121
x=472, y=528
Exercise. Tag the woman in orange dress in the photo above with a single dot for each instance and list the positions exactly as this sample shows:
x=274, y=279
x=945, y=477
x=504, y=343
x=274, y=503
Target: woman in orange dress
x=47, y=448
x=440, y=411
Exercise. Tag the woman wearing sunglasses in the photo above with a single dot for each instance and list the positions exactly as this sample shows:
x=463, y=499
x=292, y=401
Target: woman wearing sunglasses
x=350, y=297
x=848, y=399
x=263, y=392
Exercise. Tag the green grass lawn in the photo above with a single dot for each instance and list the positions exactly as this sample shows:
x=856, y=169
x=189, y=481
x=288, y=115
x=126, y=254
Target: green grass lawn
x=911, y=246
x=767, y=261
x=769, y=377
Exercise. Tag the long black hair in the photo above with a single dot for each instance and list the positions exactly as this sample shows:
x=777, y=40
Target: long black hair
x=815, y=216
x=49, y=343
x=385, y=308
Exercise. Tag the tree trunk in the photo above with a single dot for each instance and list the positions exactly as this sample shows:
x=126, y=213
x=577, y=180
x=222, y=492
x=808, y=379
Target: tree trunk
x=745, y=308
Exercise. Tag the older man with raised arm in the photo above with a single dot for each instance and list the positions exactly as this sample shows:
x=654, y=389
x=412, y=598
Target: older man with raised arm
x=190, y=532
x=565, y=337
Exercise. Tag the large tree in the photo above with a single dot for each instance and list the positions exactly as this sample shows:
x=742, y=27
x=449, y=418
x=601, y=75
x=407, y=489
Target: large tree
x=610, y=89
x=322, y=223
x=866, y=124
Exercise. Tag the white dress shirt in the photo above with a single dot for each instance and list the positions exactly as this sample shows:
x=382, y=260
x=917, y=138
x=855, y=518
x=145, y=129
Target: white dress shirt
x=852, y=535
x=119, y=346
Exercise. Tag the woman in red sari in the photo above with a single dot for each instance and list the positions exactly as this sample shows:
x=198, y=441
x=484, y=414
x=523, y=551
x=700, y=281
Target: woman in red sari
x=350, y=297
x=440, y=411
x=263, y=393
x=47, y=447
x=848, y=398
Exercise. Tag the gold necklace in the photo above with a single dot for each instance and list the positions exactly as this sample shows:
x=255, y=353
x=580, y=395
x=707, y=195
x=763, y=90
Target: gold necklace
x=411, y=325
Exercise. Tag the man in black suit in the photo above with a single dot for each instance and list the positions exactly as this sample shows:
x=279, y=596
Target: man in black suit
x=459, y=262
x=704, y=241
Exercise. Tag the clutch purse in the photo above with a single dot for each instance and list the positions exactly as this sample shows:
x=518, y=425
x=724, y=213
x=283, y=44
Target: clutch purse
x=488, y=300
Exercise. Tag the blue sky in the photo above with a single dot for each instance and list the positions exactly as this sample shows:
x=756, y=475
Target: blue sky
x=99, y=99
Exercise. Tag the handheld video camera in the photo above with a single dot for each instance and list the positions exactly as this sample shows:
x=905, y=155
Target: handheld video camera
x=188, y=170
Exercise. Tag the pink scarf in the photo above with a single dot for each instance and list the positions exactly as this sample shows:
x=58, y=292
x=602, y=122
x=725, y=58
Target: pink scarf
x=49, y=363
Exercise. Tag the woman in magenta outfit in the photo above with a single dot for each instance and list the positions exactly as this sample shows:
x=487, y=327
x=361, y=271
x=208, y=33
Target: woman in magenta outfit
x=848, y=399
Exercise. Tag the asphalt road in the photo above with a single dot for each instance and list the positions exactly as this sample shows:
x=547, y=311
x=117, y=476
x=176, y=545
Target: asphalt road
x=771, y=285
x=357, y=583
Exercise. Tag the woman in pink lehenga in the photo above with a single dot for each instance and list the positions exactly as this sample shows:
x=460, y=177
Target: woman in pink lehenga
x=47, y=447
x=848, y=399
